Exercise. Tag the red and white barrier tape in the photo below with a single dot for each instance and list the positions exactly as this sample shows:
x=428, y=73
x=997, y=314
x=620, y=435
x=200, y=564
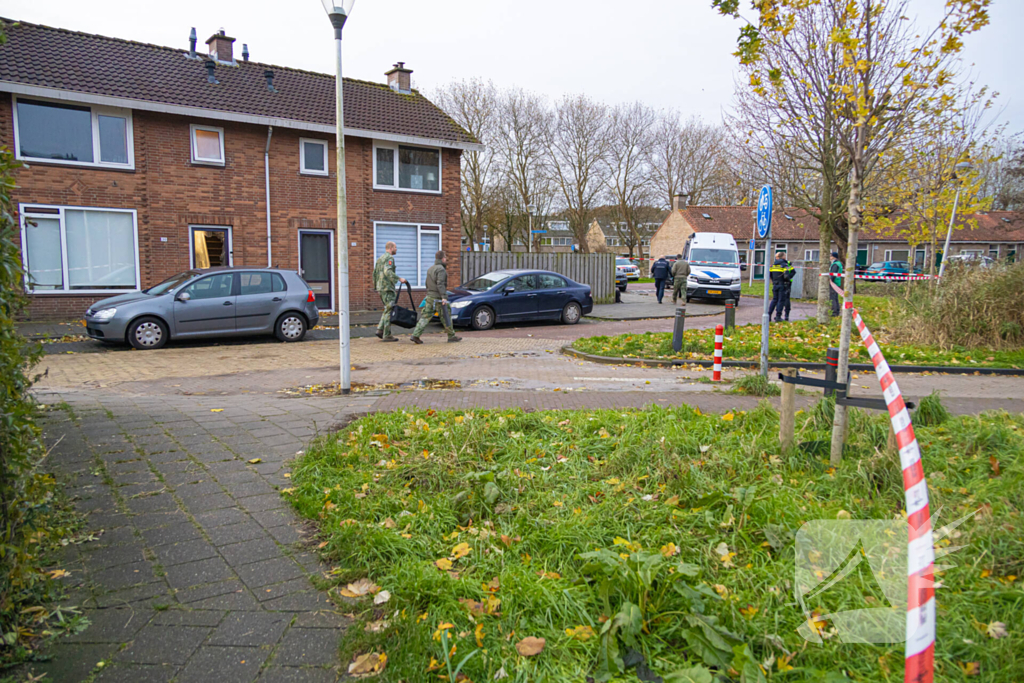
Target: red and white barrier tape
x=716, y=375
x=920, y=645
x=895, y=278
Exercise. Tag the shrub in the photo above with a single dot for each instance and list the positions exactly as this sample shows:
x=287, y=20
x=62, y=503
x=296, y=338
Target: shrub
x=930, y=412
x=971, y=307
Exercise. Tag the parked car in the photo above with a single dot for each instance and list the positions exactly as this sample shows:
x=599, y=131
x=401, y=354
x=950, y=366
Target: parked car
x=886, y=268
x=519, y=296
x=972, y=260
x=624, y=265
x=215, y=302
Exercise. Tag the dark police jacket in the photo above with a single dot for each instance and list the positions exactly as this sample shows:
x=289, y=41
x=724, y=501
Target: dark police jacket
x=782, y=273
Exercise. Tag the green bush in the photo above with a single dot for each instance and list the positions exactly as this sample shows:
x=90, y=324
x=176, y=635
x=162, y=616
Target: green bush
x=28, y=507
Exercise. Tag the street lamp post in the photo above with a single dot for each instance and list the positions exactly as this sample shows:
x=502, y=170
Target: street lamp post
x=963, y=167
x=530, y=209
x=339, y=11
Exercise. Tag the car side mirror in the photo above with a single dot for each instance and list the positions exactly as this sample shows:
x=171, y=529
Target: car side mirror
x=509, y=290
x=183, y=296
x=743, y=266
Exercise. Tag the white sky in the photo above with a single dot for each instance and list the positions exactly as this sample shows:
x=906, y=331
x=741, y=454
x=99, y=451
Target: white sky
x=667, y=53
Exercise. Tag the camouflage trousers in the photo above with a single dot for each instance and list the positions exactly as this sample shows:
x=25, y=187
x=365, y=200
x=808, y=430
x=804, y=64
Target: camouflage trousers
x=388, y=298
x=679, y=290
x=431, y=304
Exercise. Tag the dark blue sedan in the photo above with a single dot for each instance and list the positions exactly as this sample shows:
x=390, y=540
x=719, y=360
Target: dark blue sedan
x=518, y=296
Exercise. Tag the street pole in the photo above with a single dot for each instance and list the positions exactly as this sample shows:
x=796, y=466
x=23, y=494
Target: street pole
x=949, y=233
x=764, y=314
x=529, y=240
x=338, y=21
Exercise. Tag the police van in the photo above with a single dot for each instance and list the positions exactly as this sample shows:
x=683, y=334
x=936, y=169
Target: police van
x=714, y=266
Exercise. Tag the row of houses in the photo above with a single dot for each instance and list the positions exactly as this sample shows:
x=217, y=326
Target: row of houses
x=141, y=161
x=997, y=234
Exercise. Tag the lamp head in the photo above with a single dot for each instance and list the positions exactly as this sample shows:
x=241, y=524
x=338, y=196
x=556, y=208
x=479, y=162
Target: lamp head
x=338, y=11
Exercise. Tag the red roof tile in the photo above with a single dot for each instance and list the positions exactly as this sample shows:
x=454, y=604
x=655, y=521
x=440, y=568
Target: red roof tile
x=48, y=57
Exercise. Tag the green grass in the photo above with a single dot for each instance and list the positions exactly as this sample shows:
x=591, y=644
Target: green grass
x=756, y=385
x=799, y=340
x=572, y=520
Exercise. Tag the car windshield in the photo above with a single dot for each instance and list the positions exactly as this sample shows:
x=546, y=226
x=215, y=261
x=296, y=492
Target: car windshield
x=485, y=282
x=877, y=266
x=725, y=257
x=623, y=262
x=170, y=283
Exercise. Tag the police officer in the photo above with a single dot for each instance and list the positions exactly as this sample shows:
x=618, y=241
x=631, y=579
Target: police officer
x=782, y=273
x=835, y=273
x=384, y=280
x=660, y=272
x=680, y=271
x=437, y=295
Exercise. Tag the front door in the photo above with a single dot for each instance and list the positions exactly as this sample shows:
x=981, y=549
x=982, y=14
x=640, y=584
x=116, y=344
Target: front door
x=522, y=303
x=315, y=266
x=210, y=308
x=211, y=247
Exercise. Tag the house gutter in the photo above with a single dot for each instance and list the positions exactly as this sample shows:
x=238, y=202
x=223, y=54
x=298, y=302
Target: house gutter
x=266, y=181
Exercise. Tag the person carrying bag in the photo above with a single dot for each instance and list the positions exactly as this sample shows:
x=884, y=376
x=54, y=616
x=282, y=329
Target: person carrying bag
x=437, y=298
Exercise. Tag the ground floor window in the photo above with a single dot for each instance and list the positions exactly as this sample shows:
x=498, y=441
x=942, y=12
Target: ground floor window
x=812, y=255
x=416, y=244
x=211, y=246
x=556, y=241
x=897, y=254
x=79, y=249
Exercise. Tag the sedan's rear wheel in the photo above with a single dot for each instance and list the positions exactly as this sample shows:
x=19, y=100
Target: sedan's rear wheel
x=571, y=313
x=483, y=318
x=290, y=327
x=147, y=333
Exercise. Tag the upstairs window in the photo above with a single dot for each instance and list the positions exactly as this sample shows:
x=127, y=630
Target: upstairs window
x=207, y=145
x=402, y=167
x=81, y=135
x=312, y=157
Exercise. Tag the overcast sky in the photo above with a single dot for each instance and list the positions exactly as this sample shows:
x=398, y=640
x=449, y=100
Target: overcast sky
x=668, y=53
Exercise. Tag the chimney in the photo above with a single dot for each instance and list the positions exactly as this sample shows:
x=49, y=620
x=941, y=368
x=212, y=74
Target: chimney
x=245, y=52
x=210, y=73
x=192, y=43
x=400, y=78
x=679, y=202
x=269, y=75
x=220, y=47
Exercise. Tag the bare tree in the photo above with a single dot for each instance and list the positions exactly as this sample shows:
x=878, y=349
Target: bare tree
x=688, y=158
x=577, y=155
x=473, y=104
x=1002, y=174
x=628, y=180
x=524, y=120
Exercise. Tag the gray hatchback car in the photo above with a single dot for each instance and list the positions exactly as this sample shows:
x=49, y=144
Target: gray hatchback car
x=215, y=302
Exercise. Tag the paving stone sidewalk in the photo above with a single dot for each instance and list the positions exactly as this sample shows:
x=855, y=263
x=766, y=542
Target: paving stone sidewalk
x=200, y=573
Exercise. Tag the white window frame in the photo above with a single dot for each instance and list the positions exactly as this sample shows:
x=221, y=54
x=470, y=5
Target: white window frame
x=395, y=188
x=889, y=257
x=302, y=158
x=25, y=212
x=808, y=255
x=192, y=144
x=330, y=241
x=973, y=253
x=421, y=272
x=192, y=246
x=96, y=112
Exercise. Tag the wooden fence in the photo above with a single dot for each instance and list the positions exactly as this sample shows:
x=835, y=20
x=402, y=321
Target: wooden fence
x=596, y=270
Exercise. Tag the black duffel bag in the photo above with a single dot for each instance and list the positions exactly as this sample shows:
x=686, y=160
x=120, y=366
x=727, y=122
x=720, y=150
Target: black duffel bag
x=404, y=317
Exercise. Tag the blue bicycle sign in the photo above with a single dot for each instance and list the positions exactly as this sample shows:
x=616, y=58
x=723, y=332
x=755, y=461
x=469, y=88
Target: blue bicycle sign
x=764, y=212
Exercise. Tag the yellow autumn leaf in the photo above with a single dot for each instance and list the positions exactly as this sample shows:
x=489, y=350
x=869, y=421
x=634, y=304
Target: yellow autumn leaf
x=603, y=433
x=216, y=410
x=479, y=633
x=727, y=417
x=442, y=627
x=670, y=550
x=557, y=503
x=255, y=461
x=461, y=550
x=580, y=633
x=493, y=603
x=444, y=564
x=288, y=491
x=369, y=664
x=749, y=611
x=782, y=664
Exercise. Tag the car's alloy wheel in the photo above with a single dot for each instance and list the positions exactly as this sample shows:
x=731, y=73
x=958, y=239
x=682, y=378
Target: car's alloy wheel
x=571, y=313
x=291, y=328
x=483, y=318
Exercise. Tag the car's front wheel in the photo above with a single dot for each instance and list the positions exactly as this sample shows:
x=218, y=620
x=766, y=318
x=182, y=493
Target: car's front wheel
x=147, y=333
x=483, y=318
x=572, y=313
x=290, y=327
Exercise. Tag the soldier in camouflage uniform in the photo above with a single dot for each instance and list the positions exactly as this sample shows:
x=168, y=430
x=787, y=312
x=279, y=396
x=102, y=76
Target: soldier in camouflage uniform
x=437, y=297
x=384, y=280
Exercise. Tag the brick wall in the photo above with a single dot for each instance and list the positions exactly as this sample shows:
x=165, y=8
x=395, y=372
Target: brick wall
x=170, y=193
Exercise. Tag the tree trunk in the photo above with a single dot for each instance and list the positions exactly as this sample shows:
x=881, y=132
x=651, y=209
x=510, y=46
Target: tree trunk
x=824, y=251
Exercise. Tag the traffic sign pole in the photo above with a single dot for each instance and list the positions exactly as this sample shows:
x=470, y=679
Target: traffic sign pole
x=764, y=230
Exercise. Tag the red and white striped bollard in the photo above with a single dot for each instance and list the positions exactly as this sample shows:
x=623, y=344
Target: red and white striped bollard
x=719, y=336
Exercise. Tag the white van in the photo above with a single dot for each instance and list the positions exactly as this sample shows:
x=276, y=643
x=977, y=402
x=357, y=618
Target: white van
x=714, y=266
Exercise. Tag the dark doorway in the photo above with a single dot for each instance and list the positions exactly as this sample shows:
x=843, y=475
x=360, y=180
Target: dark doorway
x=315, y=260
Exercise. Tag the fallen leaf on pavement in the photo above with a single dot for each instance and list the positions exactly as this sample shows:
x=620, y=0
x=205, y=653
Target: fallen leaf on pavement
x=369, y=664
x=216, y=410
x=255, y=461
x=530, y=646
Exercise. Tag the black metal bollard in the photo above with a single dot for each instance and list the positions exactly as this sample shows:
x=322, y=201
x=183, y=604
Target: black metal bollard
x=677, y=330
x=831, y=368
x=730, y=314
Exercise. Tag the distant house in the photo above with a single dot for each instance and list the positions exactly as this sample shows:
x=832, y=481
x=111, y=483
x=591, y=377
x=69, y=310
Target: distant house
x=142, y=161
x=999, y=234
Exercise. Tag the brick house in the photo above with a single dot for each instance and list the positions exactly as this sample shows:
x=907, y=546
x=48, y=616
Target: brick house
x=999, y=234
x=142, y=161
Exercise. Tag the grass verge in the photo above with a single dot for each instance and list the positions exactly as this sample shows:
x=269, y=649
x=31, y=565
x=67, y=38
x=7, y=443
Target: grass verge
x=660, y=539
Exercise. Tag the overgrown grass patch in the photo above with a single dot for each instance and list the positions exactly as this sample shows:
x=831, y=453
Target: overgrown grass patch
x=800, y=340
x=661, y=538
